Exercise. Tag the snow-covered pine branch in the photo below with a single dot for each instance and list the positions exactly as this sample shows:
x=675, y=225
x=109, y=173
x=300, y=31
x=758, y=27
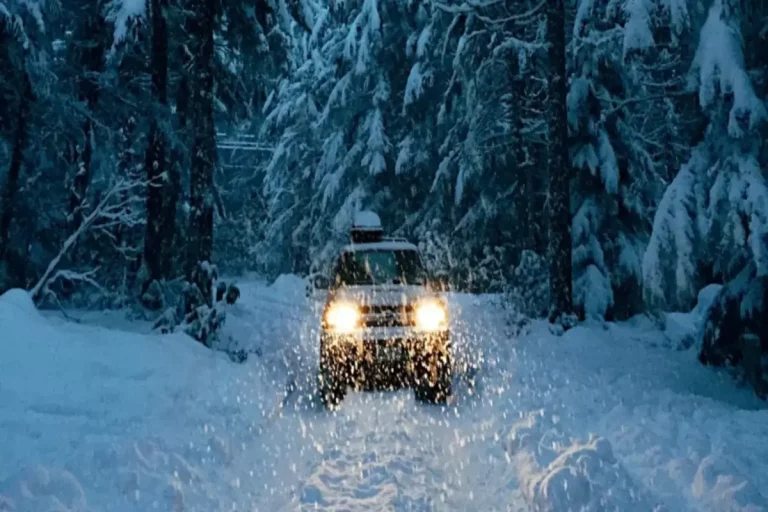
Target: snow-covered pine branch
x=122, y=13
x=713, y=214
x=115, y=207
x=618, y=106
x=625, y=111
x=719, y=68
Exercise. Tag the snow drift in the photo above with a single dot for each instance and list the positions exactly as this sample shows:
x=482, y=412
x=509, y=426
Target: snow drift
x=95, y=419
x=604, y=417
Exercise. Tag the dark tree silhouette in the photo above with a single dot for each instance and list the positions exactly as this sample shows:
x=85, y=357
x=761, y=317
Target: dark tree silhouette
x=558, y=169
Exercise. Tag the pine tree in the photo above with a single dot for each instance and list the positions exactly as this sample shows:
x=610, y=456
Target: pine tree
x=712, y=222
x=20, y=136
x=429, y=145
x=89, y=49
x=249, y=64
x=558, y=169
x=161, y=191
x=199, y=245
x=627, y=127
x=24, y=52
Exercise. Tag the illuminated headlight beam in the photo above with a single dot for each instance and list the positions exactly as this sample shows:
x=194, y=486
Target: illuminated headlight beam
x=343, y=318
x=431, y=316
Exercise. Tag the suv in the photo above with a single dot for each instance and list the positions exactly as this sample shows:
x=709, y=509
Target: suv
x=383, y=324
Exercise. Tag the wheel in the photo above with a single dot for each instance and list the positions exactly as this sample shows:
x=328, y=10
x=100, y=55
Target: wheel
x=332, y=388
x=432, y=382
x=332, y=381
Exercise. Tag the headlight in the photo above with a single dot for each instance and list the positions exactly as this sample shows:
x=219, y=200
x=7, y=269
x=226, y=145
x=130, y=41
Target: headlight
x=431, y=316
x=343, y=318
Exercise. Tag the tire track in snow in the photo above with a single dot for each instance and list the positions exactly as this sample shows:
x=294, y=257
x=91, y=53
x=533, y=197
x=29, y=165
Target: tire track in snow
x=385, y=451
x=382, y=461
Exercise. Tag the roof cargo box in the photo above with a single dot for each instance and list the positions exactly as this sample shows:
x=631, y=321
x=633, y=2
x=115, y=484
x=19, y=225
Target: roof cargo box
x=366, y=228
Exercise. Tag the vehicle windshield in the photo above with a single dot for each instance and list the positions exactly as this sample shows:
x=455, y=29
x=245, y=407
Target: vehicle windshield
x=379, y=267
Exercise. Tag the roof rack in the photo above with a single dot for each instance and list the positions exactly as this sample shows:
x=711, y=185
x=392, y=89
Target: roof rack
x=394, y=239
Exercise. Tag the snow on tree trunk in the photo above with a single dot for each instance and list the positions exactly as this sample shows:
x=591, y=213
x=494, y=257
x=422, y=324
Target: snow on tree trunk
x=79, y=189
x=180, y=159
x=92, y=50
x=127, y=239
x=558, y=168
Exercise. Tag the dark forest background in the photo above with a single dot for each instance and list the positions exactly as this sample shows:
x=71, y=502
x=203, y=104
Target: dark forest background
x=618, y=146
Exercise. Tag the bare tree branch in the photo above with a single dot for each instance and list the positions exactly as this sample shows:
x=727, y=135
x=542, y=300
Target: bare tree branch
x=641, y=99
x=106, y=214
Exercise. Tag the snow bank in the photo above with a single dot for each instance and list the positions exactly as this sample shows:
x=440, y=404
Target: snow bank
x=289, y=287
x=604, y=417
x=273, y=323
x=561, y=474
x=618, y=418
x=94, y=419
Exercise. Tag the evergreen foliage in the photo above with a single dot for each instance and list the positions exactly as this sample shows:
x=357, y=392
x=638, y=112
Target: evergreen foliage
x=252, y=132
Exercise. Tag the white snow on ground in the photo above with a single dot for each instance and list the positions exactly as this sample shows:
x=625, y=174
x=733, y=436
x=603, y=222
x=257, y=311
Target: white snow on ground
x=605, y=417
x=97, y=419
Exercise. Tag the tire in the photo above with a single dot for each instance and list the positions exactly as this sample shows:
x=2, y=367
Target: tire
x=332, y=382
x=432, y=382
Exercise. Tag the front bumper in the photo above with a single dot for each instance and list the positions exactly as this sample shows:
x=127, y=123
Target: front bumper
x=382, y=357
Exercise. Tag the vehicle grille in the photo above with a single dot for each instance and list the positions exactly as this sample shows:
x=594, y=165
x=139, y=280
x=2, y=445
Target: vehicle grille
x=387, y=316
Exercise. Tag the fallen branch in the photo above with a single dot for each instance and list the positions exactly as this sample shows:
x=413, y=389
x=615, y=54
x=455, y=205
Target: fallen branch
x=106, y=214
x=71, y=275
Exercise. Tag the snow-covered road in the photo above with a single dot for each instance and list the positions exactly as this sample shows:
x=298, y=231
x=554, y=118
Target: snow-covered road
x=602, y=418
x=385, y=451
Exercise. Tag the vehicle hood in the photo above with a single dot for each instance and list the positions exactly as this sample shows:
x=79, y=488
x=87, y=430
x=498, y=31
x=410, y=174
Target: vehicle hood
x=382, y=295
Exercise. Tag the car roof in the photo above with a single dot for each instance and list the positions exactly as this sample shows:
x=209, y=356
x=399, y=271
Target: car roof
x=384, y=245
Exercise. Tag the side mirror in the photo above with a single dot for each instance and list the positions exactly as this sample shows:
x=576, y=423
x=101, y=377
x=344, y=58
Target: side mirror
x=439, y=283
x=316, y=282
x=321, y=283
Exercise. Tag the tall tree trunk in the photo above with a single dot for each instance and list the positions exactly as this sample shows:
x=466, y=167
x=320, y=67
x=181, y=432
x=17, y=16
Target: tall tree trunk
x=525, y=191
x=559, y=169
x=200, y=235
x=12, y=180
x=127, y=238
x=82, y=177
x=92, y=60
x=176, y=168
x=156, y=246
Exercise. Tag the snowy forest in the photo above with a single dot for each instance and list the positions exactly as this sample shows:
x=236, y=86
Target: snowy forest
x=618, y=146
x=402, y=255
